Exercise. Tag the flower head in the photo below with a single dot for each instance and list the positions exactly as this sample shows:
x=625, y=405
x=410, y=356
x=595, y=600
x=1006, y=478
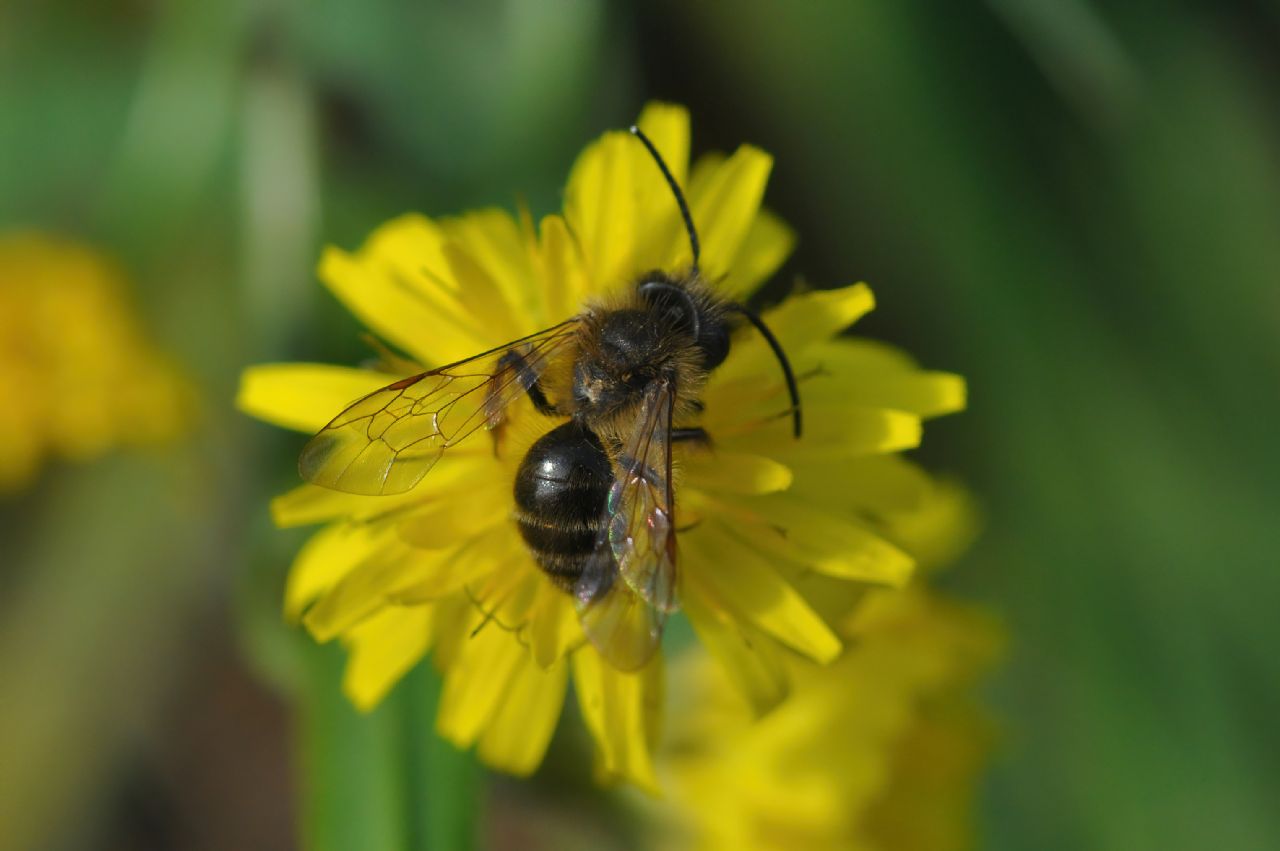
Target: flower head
x=775, y=545
x=77, y=375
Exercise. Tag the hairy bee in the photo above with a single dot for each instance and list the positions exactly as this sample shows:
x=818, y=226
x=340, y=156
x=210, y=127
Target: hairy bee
x=594, y=496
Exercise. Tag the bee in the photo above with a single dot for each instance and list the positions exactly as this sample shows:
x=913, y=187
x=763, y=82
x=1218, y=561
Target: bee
x=594, y=496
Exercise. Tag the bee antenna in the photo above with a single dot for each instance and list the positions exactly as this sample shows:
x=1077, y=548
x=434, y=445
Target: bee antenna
x=790, y=376
x=675, y=190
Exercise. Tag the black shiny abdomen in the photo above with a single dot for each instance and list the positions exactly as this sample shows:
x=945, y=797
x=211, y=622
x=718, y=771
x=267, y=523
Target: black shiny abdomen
x=561, y=490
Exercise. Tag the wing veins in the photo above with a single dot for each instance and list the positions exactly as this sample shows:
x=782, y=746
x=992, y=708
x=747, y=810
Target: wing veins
x=441, y=413
x=358, y=450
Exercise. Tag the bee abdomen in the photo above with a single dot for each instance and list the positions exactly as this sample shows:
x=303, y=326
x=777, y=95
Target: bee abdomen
x=560, y=493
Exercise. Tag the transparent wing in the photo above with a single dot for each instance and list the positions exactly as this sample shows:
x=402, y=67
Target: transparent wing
x=641, y=506
x=619, y=623
x=387, y=441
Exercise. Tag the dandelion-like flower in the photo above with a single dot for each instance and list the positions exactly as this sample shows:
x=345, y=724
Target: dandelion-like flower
x=774, y=542
x=880, y=750
x=77, y=375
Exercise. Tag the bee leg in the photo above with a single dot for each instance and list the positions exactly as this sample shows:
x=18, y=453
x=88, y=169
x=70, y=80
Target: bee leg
x=515, y=361
x=696, y=435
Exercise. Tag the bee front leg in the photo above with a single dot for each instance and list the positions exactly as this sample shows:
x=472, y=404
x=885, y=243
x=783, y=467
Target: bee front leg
x=515, y=362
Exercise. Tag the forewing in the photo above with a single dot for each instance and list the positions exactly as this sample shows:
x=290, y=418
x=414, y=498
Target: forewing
x=641, y=507
x=622, y=626
x=387, y=441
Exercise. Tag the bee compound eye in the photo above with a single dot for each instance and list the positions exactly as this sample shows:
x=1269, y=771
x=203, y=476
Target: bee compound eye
x=714, y=343
x=674, y=302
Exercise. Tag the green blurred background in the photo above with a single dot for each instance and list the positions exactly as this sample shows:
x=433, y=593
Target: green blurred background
x=1076, y=206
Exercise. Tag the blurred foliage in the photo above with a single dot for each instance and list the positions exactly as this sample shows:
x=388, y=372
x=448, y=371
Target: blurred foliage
x=1074, y=204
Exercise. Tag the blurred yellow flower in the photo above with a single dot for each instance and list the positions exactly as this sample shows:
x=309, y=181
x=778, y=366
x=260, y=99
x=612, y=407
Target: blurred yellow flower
x=77, y=375
x=879, y=751
x=940, y=523
x=775, y=546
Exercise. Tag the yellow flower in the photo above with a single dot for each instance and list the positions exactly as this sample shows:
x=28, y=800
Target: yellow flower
x=77, y=375
x=878, y=751
x=774, y=547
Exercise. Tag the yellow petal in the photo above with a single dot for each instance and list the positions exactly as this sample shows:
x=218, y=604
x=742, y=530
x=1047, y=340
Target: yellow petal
x=768, y=243
x=614, y=707
x=393, y=572
x=506, y=596
x=867, y=373
x=486, y=299
x=832, y=599
x=751, y=660
x=452, y=478
x=400, y=285
x=874, y=483
x=495, y=550
x=360, y=592
x=724, y=197
x=399, y=316
x=799, y=323
x=663, y=241
x=474, y=687
x=492, y=241
x=553, y=626
x=456, y=617
x=307, y=504
x=847, y=431
x=814, y=316
x=303, y=396
x=619, y=206
x=863, y=355
x=746, y=583
x=821, y=540
x=446, y=518
x=599, y=206
x=564, y=283
x=382, y=650
x=327, y=557
x=412, y=256
x=667, y=126
x=736, y=472
x=517, y=737
x=830, y=431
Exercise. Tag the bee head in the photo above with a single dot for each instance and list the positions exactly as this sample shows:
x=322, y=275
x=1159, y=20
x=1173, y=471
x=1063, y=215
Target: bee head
x=669, y=331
